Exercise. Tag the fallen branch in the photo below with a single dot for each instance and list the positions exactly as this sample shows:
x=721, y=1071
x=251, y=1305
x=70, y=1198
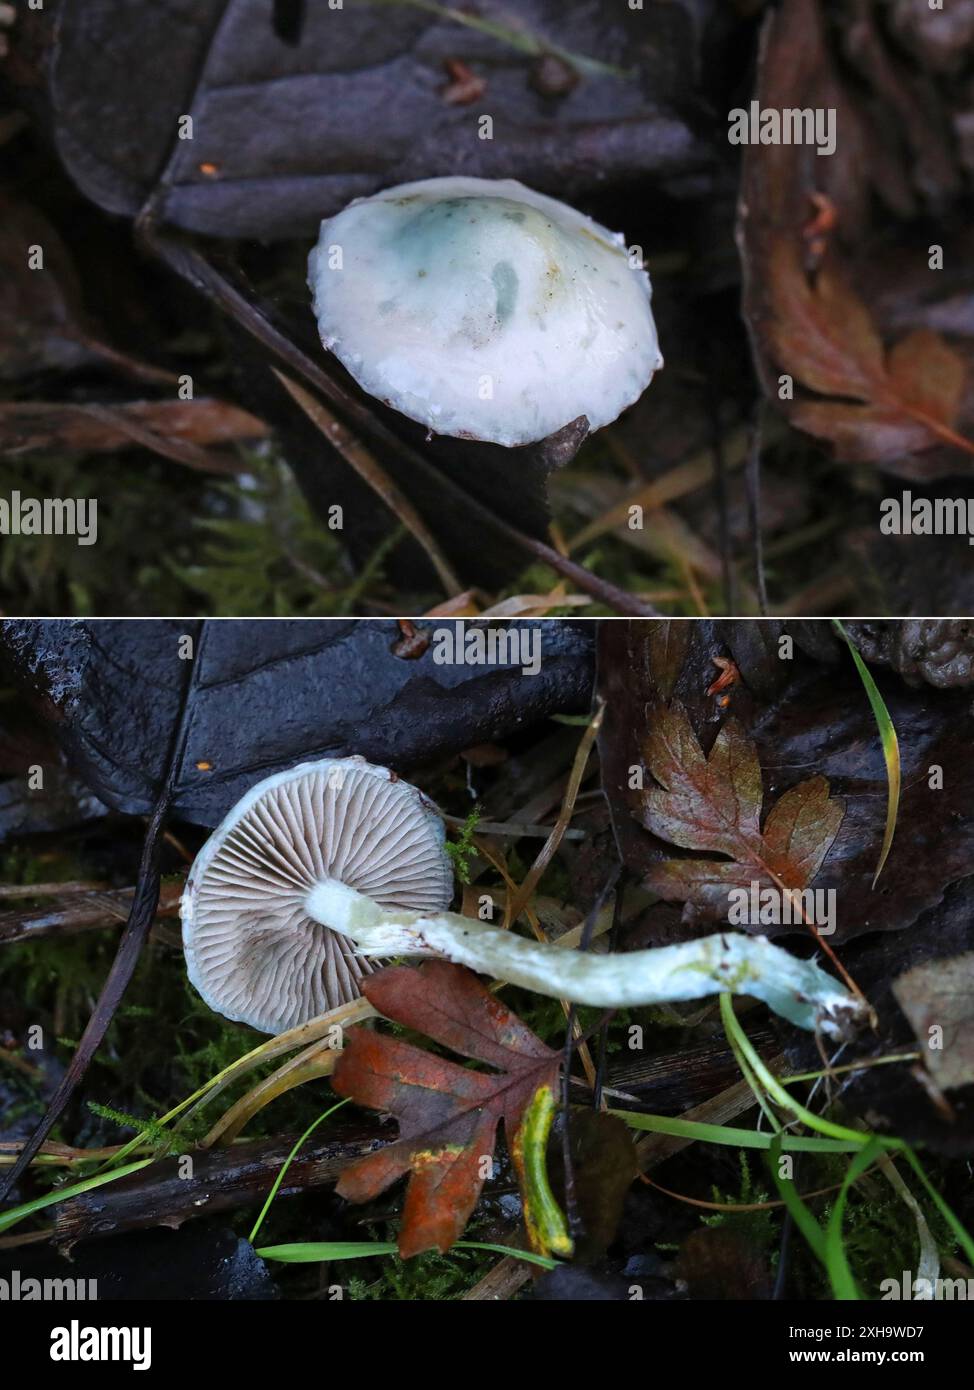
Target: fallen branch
x=220, y=1181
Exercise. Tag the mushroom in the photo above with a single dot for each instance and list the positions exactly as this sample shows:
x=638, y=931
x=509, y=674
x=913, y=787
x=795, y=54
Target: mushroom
x=484, y=310
x=252, y=950
x=295, y=880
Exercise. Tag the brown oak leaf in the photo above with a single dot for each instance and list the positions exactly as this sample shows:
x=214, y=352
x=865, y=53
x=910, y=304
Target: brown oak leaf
x=447, y=1113
x=714, y=803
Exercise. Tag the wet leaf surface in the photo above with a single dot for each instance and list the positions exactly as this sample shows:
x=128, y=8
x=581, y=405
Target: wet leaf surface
x=64, y=801
x=269, y=695
x=268, y=158
x=603, y=1159
x=44, y=325
x=40, y=313
x=448, y=1115
x=913, y=576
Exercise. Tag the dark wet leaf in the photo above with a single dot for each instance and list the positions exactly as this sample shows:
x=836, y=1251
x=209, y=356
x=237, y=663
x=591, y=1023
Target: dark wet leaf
x=603, y=1158
x=269, y=694
x=40, y=309
x=43, y=323
x=913, y=576
x=25, y=808
x=289, y=127
x=64, y=801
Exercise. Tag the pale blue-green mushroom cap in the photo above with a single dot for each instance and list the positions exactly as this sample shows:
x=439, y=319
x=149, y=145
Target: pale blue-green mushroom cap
x=484, y=310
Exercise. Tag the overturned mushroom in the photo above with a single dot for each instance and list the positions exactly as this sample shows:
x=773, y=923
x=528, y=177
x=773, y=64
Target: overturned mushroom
x=300, y=877
x=251, y=949
x=484, y=310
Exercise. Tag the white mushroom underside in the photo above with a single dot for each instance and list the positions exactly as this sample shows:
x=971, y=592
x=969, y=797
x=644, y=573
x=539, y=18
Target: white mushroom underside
x=481, y=308
x=251, y=949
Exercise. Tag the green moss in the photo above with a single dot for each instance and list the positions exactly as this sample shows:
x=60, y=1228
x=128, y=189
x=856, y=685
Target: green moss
x=758, y=1228
x=462, y=849
x=187, y=542
x=163, y=1044
x=430, y=1277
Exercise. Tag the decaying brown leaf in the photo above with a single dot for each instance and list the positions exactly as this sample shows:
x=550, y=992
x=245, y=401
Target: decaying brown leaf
x=714, y=803
x=448, y=1114
x=173, y=427
x=900, y=397
x=880, y=405
x=938, y=999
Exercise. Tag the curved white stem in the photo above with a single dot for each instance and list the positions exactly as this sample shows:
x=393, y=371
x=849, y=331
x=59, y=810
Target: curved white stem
x=797, y=989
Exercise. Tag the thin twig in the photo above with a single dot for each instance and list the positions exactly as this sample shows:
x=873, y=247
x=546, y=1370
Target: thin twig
x=549, y=848
x=368, y=469
x=752, y=475
x=182, y=451
x=134, y=934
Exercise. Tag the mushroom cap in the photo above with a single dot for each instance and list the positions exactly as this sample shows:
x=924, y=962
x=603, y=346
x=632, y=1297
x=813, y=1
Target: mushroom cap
x=252, y=951
x=483, y=309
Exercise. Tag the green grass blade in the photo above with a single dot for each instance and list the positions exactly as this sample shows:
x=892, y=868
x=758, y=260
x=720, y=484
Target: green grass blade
x=61, y=1194
x=778, y=1093
x=800, y=1213
x=836, y=1263
x=286, y=1165
x=313, y=1252
x=891, y=748
x=520, y=39
x=748, y=1074
x=733, y=1138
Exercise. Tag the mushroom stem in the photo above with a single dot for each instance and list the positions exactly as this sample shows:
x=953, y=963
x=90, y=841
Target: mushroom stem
x=799, y=990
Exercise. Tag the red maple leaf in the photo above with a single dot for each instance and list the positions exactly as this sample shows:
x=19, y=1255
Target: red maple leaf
x=448, y=1114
